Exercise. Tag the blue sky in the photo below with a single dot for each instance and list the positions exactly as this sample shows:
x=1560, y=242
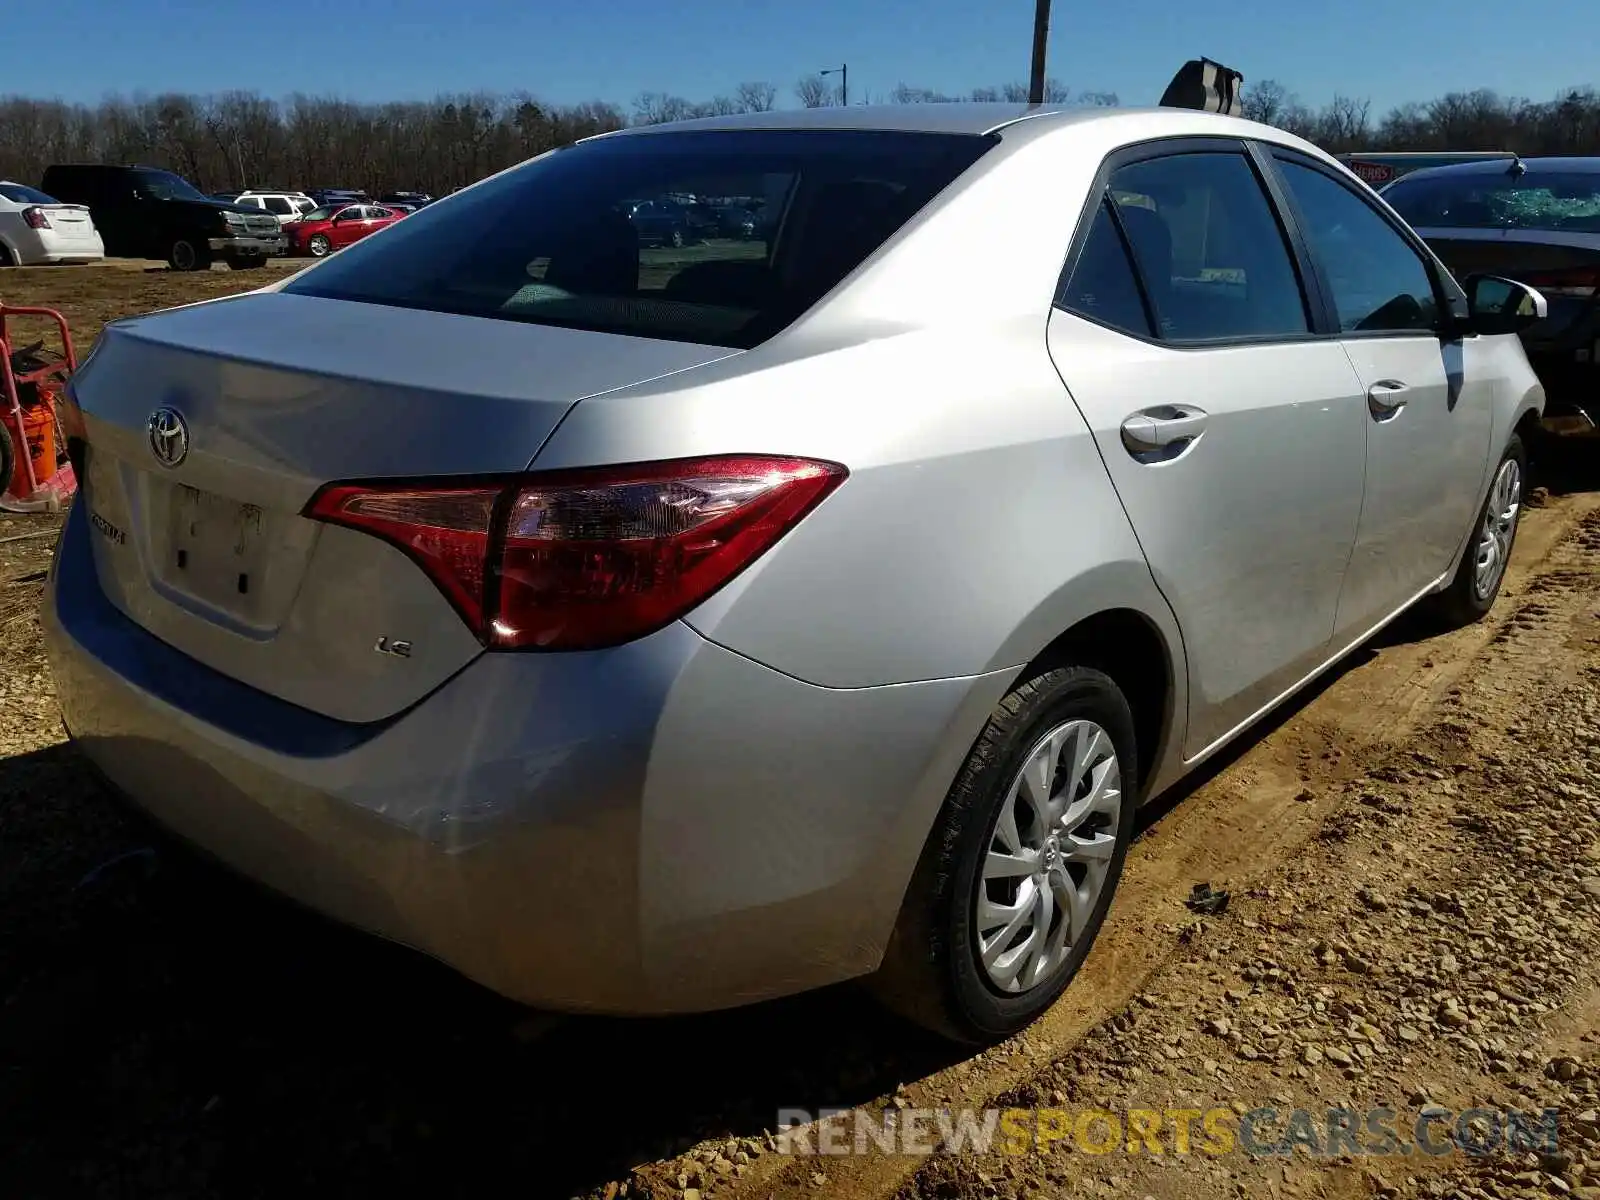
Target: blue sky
x=565, y=51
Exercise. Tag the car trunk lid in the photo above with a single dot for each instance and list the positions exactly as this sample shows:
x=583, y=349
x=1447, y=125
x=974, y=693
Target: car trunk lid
x=209, y=428
x=71, y=222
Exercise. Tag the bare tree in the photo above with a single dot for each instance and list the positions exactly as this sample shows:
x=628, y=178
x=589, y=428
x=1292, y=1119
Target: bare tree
x=1055, y=92
x=1267, y=101
x=1345, y=124
x=814, y=92
x=657, y=108
x=905, y=94
x=756, y=97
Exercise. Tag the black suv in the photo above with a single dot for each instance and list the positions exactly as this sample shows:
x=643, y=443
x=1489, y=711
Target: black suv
x=145, y=212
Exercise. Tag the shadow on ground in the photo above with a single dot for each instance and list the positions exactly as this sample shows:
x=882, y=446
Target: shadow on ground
x=167, y=1029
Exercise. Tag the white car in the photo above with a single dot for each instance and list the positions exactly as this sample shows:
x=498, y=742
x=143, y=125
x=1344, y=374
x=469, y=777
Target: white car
x=288, y=207
x=36, y=229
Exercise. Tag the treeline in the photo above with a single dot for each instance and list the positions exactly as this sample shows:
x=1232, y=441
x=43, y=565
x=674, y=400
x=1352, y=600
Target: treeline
x=1477, y=120
x=242, y=139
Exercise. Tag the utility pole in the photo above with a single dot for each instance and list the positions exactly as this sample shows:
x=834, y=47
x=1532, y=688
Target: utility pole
x=1041, y=37
x=843, y=72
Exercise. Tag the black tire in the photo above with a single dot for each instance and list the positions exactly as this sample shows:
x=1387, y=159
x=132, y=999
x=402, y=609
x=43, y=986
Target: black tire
x=1464, y=601
x=931, y=972
x=188, y=255
x=7, y=259
x=677, y=239
x=319, y=246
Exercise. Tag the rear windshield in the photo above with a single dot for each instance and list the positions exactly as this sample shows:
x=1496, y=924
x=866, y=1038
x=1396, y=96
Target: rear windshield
x=25, y=195
x=621, y=234
x=1536, y=200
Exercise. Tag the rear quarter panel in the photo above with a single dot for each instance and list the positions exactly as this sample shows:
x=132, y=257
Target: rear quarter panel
x=976, y=526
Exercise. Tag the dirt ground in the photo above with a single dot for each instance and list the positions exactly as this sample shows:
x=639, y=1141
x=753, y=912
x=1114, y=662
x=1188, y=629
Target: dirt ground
x=1412, y=854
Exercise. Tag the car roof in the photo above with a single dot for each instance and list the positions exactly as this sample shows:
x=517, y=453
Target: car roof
x=1502, y=166
x=959, y=118
x=1103, y=128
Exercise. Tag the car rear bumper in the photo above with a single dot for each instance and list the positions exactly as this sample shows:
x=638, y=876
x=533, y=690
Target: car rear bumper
x=39, y=246
x=663, y=827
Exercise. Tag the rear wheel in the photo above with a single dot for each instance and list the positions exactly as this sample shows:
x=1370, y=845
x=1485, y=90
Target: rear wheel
x=1016, y=878
x=7, y=258
x=186, y=255
x=1471, y=594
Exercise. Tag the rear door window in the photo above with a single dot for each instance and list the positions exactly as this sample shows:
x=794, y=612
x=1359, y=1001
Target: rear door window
x=279, y=205
x=1214, y=261
x=566, y=239
x=1102, y=286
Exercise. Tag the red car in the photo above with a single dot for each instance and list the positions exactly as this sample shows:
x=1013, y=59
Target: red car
x=332, y=227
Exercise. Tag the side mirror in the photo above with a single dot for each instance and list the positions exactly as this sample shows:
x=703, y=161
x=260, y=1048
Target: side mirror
x=1499, y=305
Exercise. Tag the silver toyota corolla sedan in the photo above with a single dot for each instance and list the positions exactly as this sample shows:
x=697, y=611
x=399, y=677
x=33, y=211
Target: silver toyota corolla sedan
x=661, y=629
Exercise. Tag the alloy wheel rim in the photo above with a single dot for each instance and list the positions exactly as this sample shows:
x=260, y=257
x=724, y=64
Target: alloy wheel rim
x=1048, y=856
x=319, y=246
x=183, y=256
x=1499, y=528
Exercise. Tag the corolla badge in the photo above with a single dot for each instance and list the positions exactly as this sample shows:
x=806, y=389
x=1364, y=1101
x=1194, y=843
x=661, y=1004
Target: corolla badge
x=169, y=436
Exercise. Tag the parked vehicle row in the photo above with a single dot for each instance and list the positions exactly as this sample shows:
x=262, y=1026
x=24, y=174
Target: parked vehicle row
x=83, y=212
x=145, y=212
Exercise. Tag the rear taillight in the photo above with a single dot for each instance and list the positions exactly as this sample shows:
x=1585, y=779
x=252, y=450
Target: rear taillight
x=585, y=559
x=1568, y=281
x=35, y=218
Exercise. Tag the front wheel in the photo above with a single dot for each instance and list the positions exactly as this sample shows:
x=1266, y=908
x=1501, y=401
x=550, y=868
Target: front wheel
x=1016, y=878
x=1472, y=592
x=319, y=246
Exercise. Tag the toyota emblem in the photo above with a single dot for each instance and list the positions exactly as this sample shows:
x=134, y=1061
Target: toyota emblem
x=169, y=436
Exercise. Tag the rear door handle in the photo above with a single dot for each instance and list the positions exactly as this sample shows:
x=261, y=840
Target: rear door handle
x=1164, y=432
x=1386, y=398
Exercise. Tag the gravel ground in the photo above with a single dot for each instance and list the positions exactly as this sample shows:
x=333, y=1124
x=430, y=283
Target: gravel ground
x=1412, y=852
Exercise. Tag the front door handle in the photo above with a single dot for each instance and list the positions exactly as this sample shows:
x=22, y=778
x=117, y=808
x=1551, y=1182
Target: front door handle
x=1164, y=432
x=1386, y=398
